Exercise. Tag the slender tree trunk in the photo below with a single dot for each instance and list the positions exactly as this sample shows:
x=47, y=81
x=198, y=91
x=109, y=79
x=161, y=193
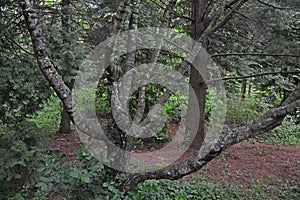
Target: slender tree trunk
x=196, y=80
x=249, y=90
x=34, y=26
x=130, y=57
x=243, y=89
x=116, y=136
x=65, y=123
x=153, y=60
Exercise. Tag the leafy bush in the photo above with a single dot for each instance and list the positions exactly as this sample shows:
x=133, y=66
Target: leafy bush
x=22, y=89
x=85, y=178
x=259, y=190
x=48, y=117
x=200, y=188
x=181, y=190
x=243, y=111
x=20, y=149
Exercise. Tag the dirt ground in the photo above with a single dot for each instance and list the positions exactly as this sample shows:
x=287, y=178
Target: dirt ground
x=240, y=164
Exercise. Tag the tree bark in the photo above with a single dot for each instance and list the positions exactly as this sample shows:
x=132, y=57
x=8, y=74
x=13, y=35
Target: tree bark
x=65, y=123
x=243, y=89
x=63, y=92
x=197, y=81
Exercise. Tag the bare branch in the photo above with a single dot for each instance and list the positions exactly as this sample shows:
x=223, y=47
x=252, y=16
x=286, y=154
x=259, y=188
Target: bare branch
x=255, y=75
x=254, y=54
x=172, y=11
x=275, y=7
x=19, y=46
x=226, y=19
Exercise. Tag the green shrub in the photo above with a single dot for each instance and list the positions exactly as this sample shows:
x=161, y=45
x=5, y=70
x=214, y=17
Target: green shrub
x=181, y=190
x=286, y=134
x=49, y=116
x=22, y=86
x=259, y=190
x=243, y=111
x=202, y=189
x=20, y=149
x=85, y=178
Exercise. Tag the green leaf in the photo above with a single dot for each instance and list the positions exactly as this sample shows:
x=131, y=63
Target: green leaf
x=75, y=173
x=86, y=179
x=42, y=185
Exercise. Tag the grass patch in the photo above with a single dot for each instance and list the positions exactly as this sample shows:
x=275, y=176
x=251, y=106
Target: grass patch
x=49, y=116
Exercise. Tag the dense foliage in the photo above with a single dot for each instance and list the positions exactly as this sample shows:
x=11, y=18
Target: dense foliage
x=22, y=146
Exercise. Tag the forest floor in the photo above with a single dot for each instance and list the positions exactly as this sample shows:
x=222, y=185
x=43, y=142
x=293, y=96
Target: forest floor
x=241, y=164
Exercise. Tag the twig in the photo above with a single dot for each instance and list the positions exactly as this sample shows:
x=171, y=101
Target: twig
x=275, y=7
x=227, y=18
x=254, y=75
x=172, y=11
x=254, y=54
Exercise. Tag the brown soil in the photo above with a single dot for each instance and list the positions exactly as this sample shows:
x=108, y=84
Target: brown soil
x=240, y=164
x=244, y=163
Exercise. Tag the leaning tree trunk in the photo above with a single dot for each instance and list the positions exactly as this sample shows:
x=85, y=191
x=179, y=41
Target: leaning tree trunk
x=63, y=92
x=116, y=136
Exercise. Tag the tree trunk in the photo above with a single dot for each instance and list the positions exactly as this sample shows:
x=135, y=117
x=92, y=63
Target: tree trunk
x=63, y=92
x=65, y=123
x=243, y=89
x=117, y=137
x=196, y=80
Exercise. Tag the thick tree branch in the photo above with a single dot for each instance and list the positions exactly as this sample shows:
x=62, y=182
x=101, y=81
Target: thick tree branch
x=270, y=120
x=116, y=28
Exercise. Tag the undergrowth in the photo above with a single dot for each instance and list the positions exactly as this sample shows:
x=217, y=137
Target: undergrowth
x=286, y=134
x=48, y=117
x=49, y=176
x=21, y=147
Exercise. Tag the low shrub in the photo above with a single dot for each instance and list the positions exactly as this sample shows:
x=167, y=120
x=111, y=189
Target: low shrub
x=240, y=111
x=20, y=149
x=286, y=134
x=84, y=178
x=48, y=117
